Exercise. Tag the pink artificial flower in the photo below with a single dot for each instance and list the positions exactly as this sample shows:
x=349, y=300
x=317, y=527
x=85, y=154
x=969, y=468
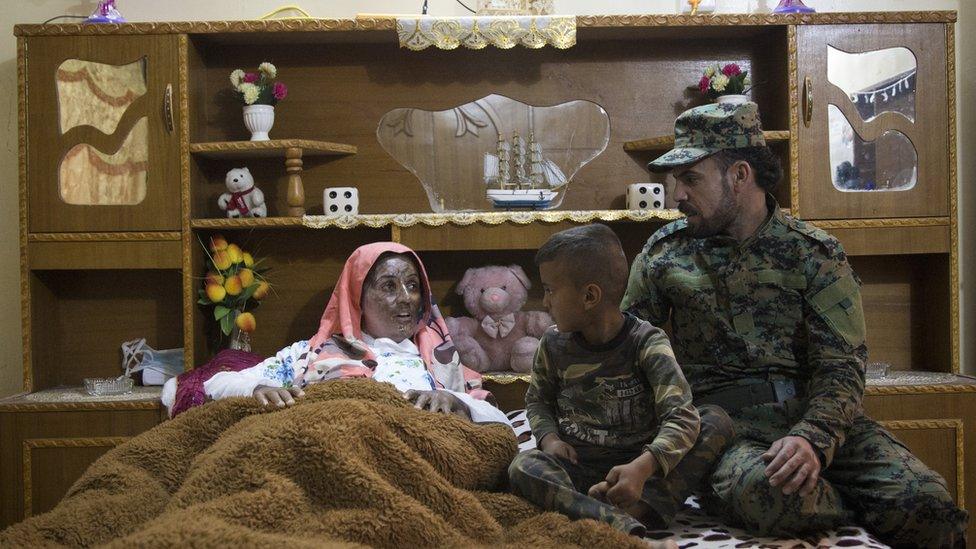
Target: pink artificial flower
x=703, y=84
x=280, y=91
x=251, y=77
x=731, y=70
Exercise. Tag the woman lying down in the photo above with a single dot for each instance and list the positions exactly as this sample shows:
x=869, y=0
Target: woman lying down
x=380, y=323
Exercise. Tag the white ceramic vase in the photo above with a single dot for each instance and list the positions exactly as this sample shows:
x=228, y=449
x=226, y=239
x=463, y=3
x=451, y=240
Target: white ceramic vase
x=259, y=119
x=733, y=99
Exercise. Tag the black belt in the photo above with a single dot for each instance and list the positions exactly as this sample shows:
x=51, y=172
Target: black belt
x=754, y=394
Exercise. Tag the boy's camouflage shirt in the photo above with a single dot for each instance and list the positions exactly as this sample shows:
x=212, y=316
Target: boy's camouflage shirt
x=627, y=394
x=785, y=303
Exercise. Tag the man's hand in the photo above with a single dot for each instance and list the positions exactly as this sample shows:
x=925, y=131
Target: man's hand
x=554, y=446
x=793, y=465
x=625, y=483
x=438, y=401
x=279, y=396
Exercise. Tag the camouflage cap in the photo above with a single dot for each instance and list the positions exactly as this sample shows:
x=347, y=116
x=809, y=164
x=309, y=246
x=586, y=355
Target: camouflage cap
x=705, y=130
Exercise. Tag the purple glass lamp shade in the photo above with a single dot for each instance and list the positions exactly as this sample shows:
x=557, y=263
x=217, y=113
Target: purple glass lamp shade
x=792, y=6
x=105, y=12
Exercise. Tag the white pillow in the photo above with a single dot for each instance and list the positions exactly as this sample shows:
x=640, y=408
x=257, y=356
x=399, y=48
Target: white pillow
x=520, y=424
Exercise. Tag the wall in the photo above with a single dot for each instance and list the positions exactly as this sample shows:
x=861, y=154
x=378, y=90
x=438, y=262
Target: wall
x=37, y=11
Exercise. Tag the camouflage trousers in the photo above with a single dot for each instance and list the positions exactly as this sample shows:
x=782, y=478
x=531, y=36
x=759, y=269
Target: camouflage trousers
x=874, y=481
x=558, y=485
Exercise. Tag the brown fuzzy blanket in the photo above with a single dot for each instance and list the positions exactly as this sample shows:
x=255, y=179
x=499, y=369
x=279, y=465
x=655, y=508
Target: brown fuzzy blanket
x=351, y=464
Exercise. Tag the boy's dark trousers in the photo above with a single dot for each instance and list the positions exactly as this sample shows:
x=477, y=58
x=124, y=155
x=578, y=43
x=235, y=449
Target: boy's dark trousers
x=558, y=485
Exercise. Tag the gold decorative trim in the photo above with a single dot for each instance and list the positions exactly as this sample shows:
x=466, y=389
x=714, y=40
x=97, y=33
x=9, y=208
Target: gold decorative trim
x=102, y=237
x=275, y=147
x=211, y=27
x=25, y=304
x=189, y=300
x=389, y=23
x=487, y=218
x=246, y=223
x=153, y=404
x=794, y=100
x=754, y=19
x=882, y=390
x=954, y=424
x=881, y=223
x=954, y=312
x=476, y=33
x=505, y=378
x=667, y=141
x=31, y=443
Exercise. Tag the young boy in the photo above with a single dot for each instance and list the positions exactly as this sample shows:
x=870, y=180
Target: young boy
x=610, y=409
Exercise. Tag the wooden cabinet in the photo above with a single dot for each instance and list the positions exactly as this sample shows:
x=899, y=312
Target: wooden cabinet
x=874, y=127
x=132, y=269
x=48, y=445
x=103, y=151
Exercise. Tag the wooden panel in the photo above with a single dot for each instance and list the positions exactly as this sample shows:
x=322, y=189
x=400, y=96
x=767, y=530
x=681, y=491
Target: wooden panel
x=932, y=441
x=160, y=209
x=82, y=318
x=480, y=237
x=906, y=310
x=929, y=133
x=53, y=471
x=893, y=240
x=106, y=255
x=52, y=465
x=344, y=99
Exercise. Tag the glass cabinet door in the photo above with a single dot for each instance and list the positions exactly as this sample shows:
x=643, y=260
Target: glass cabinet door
x=103, y=146
x=873, y=121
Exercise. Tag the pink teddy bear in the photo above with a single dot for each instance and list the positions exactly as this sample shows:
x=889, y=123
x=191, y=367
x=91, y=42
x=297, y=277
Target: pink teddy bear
x=500, y=337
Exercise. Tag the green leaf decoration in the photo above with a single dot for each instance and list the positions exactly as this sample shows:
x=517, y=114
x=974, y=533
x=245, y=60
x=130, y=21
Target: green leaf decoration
x=226, y=323
x=220, y=312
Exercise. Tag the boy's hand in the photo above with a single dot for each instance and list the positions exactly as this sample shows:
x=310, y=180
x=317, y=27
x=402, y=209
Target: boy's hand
x=625, y=483
x=554, y=446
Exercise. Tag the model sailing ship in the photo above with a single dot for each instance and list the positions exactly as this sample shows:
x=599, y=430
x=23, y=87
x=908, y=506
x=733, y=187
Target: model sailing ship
x=535, y=189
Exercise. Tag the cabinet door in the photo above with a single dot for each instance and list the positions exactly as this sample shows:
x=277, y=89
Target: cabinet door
x=873, y=121
x=102, y=143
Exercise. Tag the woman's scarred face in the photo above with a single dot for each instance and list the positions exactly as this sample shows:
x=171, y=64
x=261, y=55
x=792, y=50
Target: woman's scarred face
x=391, y=300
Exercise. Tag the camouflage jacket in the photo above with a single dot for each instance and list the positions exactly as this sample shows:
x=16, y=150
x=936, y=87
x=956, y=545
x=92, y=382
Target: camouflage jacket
x=628, y=393
x=784, y=304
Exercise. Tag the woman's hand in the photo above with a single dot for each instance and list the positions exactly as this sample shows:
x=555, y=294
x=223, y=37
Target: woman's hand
x=438, y=401
x=279, y=396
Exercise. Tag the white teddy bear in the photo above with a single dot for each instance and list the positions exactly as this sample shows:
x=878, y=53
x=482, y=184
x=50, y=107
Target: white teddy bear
x=244, y=199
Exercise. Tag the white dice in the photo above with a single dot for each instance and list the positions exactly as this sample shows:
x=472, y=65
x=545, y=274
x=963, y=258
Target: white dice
x=341, y=200
x=645, y=196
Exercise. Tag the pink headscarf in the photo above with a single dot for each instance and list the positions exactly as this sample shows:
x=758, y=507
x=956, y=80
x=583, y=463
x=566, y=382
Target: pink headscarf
x=339, y=337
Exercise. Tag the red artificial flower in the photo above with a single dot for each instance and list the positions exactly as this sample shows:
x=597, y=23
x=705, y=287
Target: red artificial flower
x=251, y=77
x=280, y=91
x=704, y=83
x=731, y=70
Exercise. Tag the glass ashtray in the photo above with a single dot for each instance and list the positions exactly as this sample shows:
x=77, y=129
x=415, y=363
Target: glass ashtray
x=101, y=386
x=877, y=370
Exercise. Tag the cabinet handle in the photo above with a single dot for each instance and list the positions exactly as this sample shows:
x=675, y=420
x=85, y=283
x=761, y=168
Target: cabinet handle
x=168, y=108
x=807, y=101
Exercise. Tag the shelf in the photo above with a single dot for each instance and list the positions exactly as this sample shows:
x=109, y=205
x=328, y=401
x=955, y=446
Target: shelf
x=270, y=148
x=75, y=398
x=247, y=223
x=665, y=142
x=485, y=218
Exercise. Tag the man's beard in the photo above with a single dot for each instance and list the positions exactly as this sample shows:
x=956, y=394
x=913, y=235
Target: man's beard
x=719, y=222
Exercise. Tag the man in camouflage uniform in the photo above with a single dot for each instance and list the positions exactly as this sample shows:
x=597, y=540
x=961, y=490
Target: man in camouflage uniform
x=618, y=436
x=766, y=322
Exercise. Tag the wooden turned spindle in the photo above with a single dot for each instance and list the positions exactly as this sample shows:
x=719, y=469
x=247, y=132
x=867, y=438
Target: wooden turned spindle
x=296, y=190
